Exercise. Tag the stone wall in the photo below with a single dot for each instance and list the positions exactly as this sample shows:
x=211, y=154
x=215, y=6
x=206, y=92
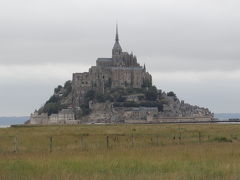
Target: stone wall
x=36, y=118
x=179, y=119
x=65, y=116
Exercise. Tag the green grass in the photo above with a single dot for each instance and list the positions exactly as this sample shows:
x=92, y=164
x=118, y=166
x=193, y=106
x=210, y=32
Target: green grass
x=185, y=151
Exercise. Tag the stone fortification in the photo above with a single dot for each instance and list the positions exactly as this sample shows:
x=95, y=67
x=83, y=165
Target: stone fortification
x=65, y=116
x=116, y=90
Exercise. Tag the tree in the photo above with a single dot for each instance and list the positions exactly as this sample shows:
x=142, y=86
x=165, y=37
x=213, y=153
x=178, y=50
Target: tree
x=52, y=108
x=157, y=104
x=53, y=99
x=120, y=99
x=146, y=83
x=171, y=94
x=57, y=89
x=151, y=94
x=67, y=88
x=100, y=97
x=108, y=84
x=85, y=109
x=90, y=95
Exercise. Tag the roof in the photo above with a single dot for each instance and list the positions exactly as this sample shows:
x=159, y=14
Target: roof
x=127, y=68
x=145, y=109
x=117, y=46
x=66, y=111
x=104, y=59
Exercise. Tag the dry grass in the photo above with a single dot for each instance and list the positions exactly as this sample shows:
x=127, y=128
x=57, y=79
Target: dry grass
x=186, y=151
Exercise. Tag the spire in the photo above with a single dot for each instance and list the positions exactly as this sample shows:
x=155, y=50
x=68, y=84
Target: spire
x=117, y=50
x=116, y=38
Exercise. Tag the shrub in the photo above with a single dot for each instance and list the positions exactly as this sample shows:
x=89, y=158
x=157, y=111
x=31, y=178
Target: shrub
x=222, y=139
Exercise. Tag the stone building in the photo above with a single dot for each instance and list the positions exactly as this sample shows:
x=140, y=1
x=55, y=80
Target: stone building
x=121, y=70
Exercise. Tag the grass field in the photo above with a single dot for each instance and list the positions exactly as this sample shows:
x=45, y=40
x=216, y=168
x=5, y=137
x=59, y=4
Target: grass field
x=169, y=151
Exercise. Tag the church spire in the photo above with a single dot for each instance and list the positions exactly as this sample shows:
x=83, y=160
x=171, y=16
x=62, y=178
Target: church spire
x=117, y=38
x=117, y=50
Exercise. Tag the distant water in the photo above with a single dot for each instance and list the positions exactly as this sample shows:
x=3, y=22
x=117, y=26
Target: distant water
x=226, y=116
x=8, y=121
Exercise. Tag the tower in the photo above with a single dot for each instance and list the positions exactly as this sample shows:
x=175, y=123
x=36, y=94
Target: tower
x=117, y=50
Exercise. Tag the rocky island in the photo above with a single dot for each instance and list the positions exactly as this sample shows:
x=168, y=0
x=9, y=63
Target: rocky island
x=116, y=90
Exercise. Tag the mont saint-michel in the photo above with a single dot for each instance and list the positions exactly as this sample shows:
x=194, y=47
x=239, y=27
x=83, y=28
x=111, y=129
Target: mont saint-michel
x=117, y=90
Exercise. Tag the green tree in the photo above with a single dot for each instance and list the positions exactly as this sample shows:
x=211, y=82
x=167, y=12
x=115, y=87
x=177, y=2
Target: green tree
x=52, y=108
x=151, y=94
x=171, y=94
x=100, y=97
x=85, y=109
x=53, y=99
x=146, y=83
x=120, y=98
x=89, y=96
x=67, y=88
x=57, y=89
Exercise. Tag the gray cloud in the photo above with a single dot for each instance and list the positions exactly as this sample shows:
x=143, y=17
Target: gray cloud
x=42, y=40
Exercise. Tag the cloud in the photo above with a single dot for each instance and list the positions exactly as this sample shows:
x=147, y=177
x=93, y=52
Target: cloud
x=63, y=71
x=26, y=87
x=39, y=72
x=56, y=31
x=189, y=46
x=196, y=77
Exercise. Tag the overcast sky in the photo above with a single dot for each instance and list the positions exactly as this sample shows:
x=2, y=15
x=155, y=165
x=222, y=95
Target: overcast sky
x=191, y=47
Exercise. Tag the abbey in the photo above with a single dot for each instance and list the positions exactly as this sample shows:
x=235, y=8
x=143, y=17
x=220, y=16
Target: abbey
x=117, y=90
x=121, y=70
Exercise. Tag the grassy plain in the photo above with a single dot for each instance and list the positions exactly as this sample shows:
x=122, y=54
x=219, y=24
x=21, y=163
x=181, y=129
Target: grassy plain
x=163, y=151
